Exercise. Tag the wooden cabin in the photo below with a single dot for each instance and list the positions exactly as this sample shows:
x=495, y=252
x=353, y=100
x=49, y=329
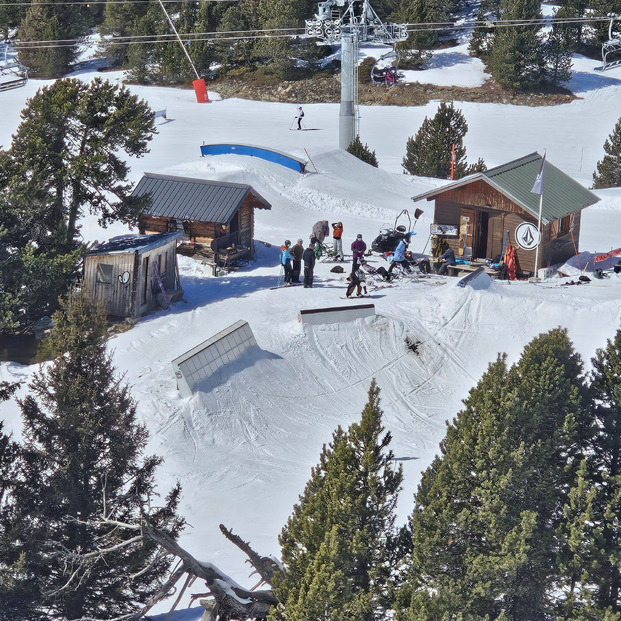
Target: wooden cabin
x=481, y=213
x=126, y=275
x=215, y=216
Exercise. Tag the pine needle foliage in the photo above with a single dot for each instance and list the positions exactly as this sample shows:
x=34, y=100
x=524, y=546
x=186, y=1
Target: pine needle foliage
x=608, y=174
x=362, y=152
x=429, y=152
x=489, y=539
x=83, y=460
x=593, y=525
x=339, y=545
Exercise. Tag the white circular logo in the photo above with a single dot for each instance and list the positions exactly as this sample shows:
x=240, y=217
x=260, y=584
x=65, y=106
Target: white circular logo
x=527, y=236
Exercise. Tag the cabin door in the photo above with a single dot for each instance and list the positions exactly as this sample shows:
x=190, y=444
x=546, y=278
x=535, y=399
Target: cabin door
x=467, y=227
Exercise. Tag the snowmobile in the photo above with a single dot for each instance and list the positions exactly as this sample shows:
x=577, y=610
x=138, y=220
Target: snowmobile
x=389, y=238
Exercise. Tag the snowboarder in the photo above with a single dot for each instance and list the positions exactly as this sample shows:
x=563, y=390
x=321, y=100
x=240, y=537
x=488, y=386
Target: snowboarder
x=309, y=265
x=356, y=280
x=399, y=256
x=300, y=116
x=358, y=248
x=285, y=261
x=446, y=258
x=296, y=252
x=337, y=235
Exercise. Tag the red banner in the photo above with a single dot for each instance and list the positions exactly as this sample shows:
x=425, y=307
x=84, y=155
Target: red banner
x=608, y=255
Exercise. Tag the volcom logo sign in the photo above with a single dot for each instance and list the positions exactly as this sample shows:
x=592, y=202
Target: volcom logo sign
x=527, y=236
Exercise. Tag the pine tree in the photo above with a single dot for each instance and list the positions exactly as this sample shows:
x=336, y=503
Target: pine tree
x=516, y=58
x=489, y=536
x=362, y=152
x=14, y=589
x=608, y=172
x=416, y=49
x=601, y=562
x=51, y=21
x=428, y=154
x=83, y=462
x=84, y=130
x=339, y=546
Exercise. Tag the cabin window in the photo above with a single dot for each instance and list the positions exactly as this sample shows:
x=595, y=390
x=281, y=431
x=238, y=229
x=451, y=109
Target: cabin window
x=561, y=226
x=565, y=225
x=104, y=274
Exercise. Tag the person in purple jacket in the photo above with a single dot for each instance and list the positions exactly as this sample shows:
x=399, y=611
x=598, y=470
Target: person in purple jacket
x=358, y=248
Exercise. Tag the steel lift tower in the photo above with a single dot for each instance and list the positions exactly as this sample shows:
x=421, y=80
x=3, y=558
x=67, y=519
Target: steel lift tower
x=351, y=22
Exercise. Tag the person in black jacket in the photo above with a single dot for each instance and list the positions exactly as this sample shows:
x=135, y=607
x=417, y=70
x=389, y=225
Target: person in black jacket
x=308, y=257
x=296, y=251
x=447, y=258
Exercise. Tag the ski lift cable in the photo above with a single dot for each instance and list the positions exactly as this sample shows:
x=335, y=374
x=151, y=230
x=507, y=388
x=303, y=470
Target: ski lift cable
x=155, y=37
x=289, y=33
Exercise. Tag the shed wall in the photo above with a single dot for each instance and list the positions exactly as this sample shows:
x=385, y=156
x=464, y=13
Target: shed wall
x=134, y=286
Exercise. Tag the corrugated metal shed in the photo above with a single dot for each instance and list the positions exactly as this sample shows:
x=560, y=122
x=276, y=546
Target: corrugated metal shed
x=184, y=198
x=561, y=194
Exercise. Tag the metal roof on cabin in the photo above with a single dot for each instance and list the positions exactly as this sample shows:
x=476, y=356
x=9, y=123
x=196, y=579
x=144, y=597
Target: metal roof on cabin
x=561, y=194
x=125, y=244
x=184, y=198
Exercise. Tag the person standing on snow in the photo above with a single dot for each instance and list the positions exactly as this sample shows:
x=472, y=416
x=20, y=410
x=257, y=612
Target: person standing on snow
x=358, y=248
x=296, y=252
x=285, y=261
x=337, y=236
x=309, y=265
x=300, y=116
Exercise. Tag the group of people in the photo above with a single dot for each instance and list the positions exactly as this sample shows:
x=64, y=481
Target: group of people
x=291, y=259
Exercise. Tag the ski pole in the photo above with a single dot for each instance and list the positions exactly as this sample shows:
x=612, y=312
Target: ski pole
x=425, y=247
x=502, y=254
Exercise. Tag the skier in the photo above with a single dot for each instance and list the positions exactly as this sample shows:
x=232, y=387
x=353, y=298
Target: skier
x=285, y=261
x=296, y=252
x=358, y=248
x=337, y=235
x=399, y=256
x=300, y=116
x=309, y=265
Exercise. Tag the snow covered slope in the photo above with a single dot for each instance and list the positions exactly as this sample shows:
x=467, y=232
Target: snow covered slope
x=243, y=447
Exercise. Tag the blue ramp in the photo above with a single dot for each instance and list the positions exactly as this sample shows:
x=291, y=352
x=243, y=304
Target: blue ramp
x=271, y=155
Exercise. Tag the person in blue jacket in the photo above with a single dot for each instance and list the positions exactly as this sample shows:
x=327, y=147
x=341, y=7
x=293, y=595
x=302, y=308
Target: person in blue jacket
x=399, y=255
x=285, y=261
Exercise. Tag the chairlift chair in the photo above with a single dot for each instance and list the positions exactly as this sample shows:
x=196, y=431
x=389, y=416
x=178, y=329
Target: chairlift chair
x=12, y=75
x=611, y=47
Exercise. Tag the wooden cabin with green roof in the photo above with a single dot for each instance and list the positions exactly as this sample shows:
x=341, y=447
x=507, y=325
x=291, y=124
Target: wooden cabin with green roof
x=481, y=208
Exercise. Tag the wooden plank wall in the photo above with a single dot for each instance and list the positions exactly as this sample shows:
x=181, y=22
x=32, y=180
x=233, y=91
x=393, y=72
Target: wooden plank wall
x=127, y=295
x=115, y=297
x=504, y=216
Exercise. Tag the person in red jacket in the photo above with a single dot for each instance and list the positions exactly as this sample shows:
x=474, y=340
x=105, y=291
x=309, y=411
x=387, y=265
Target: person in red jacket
x=337, y=236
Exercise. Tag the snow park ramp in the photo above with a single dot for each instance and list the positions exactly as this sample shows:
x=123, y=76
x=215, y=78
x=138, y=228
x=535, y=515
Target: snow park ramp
x=336, y=314
x=211, y=355
x=271, y=155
